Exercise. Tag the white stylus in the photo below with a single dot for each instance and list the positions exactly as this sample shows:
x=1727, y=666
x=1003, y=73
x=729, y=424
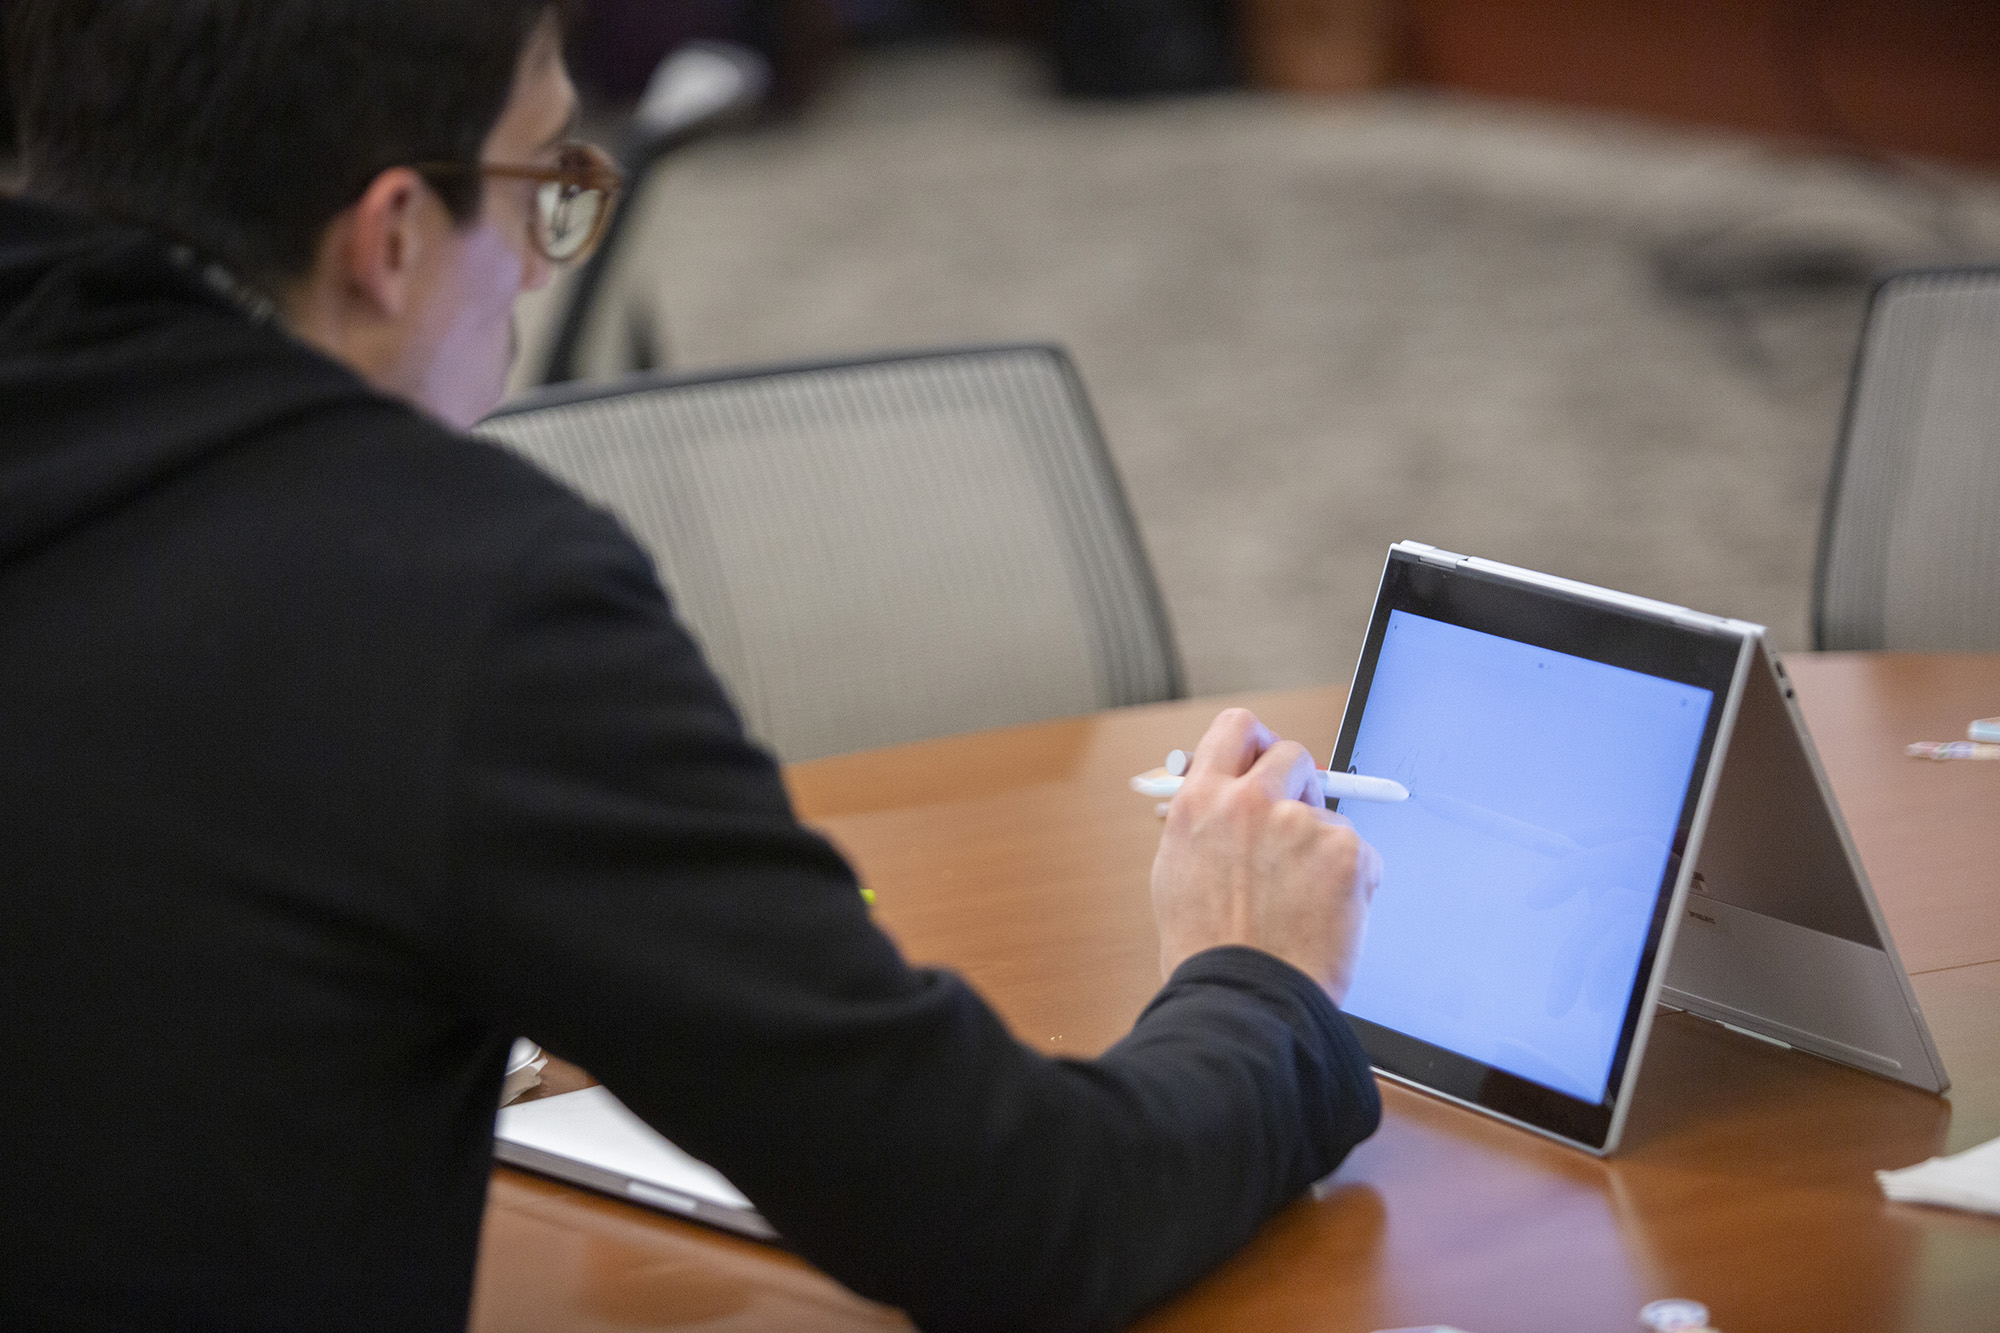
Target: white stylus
x=1165, y=781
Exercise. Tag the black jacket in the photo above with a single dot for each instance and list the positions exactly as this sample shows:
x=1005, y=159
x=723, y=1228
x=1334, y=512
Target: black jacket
x=338, y=749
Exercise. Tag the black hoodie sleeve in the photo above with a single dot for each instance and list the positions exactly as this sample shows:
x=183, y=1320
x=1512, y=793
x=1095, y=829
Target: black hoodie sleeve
x=633, y=891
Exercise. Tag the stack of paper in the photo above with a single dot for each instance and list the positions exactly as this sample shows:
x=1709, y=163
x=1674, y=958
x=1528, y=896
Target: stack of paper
x=1969, y=1180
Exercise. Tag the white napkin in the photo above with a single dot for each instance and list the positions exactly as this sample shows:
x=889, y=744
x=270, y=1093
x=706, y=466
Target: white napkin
x=1969, y=1180
x=524, y=1069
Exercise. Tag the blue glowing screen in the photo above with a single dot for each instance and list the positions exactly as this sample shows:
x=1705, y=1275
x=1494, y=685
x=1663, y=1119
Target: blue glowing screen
x=1519, y=879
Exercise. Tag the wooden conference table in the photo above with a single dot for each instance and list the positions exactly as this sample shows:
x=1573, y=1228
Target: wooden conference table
x=1019, y=858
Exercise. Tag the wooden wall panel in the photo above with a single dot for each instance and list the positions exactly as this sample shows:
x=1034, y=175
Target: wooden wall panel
x=1913, y=76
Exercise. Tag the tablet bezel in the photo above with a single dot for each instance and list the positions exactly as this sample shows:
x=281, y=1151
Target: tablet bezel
x=1599, y=625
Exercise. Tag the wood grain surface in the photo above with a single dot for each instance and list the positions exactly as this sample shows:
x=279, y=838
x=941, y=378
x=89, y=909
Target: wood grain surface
x=1020, y=859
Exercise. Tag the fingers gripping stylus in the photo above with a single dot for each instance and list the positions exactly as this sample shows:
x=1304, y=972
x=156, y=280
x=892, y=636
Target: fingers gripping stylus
x=1166, y=780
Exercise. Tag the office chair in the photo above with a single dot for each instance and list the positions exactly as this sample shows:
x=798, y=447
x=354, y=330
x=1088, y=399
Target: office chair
x=877, y=551
x=1909, y=551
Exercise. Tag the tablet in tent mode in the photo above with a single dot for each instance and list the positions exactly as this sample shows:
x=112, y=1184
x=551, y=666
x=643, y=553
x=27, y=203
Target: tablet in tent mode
x=1614, y=803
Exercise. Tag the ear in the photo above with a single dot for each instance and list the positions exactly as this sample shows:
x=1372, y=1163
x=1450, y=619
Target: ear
x=389, y=233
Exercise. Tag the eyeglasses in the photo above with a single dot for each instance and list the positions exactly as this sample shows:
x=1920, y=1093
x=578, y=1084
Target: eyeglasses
x=573, y=198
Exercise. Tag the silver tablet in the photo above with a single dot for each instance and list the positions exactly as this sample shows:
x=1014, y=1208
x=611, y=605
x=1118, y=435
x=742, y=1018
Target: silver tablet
x=589, y=1138
x=1563, y=746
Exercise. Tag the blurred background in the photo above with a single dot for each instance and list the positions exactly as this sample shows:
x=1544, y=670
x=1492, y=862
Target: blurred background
x=1574, y=284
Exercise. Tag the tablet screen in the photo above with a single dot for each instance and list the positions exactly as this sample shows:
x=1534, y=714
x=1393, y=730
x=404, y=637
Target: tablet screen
x=1519, y=879
x=1553, y=750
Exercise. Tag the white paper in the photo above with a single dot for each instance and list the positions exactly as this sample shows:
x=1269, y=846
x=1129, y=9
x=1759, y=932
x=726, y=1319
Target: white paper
x=1969, y=1180
x=594, y=1128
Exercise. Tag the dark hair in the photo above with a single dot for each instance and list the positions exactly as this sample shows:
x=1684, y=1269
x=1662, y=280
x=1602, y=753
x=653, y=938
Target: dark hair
x=244, y=127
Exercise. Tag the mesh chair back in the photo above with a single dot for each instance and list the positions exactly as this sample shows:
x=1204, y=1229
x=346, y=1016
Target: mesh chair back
x=877, y=551
x=1910, y=543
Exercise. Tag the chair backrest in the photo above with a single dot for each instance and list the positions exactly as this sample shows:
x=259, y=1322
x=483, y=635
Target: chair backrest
x=877, y=551
x=1909, y=553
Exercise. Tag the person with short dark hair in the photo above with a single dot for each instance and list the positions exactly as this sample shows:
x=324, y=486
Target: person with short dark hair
x=338, y=748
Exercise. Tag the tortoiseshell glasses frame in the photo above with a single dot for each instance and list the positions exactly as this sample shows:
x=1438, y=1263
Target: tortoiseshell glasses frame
x=573, y=198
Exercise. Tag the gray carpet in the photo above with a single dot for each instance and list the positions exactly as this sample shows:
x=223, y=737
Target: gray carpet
x=1314, y=328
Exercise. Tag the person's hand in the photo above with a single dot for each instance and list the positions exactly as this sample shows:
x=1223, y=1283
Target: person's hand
x=1252, y=856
